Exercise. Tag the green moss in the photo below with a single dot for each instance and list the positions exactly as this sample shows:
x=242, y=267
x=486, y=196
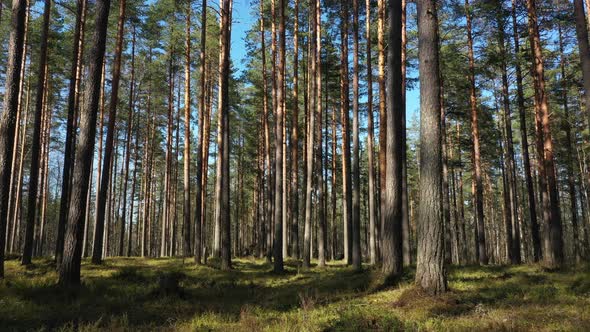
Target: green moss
x=126, y=294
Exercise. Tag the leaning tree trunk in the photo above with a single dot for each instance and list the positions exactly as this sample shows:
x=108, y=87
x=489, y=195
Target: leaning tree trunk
x=69, y=270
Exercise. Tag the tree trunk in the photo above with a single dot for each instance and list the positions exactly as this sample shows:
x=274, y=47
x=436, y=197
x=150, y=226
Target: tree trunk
x=187, y=134
x=104, y=184
x=553, y=241
x=36, y=143
x=370, y=139
x=307, y=236
x=223, y=182
x=392, y=227
x=295, y=138
x=382, y=116
x=130, y=128
x=69, y=271
x=200, y=159
x=430, y=270
x=584, y=49
x=536, y=242
x=345, y=120
x=477, y=177
x=322, y=229
x=569, y=142
x=12, y=207
x=8, y=116
x=73, y=92
x=356, y=212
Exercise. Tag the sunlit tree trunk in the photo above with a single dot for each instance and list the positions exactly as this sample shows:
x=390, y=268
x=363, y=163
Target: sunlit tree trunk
x=553, y=241
x=477, y=177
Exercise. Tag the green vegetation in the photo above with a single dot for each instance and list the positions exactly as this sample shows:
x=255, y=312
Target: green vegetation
x=141, y=294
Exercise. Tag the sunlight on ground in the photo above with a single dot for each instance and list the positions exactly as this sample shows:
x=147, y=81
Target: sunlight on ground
x=172, y=294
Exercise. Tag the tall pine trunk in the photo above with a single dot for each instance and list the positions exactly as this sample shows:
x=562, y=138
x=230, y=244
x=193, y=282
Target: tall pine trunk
x=553, y=241
x=532, y=205
x=477, y=172
x=370, y=139
x=345, y=120
x=392, y=227
x=187, y=135
x=8, y=116
x=356, y=179
x=200, y=159
x=73, y=93
x=105, y=177
x=430, y=269
x=36, y=146
x=69, y=270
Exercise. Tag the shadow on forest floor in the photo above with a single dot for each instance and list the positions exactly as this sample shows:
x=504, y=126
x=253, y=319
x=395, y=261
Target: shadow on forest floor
x=172, y=294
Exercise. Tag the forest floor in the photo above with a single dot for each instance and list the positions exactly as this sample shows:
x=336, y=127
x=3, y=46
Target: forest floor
x=130, y=294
